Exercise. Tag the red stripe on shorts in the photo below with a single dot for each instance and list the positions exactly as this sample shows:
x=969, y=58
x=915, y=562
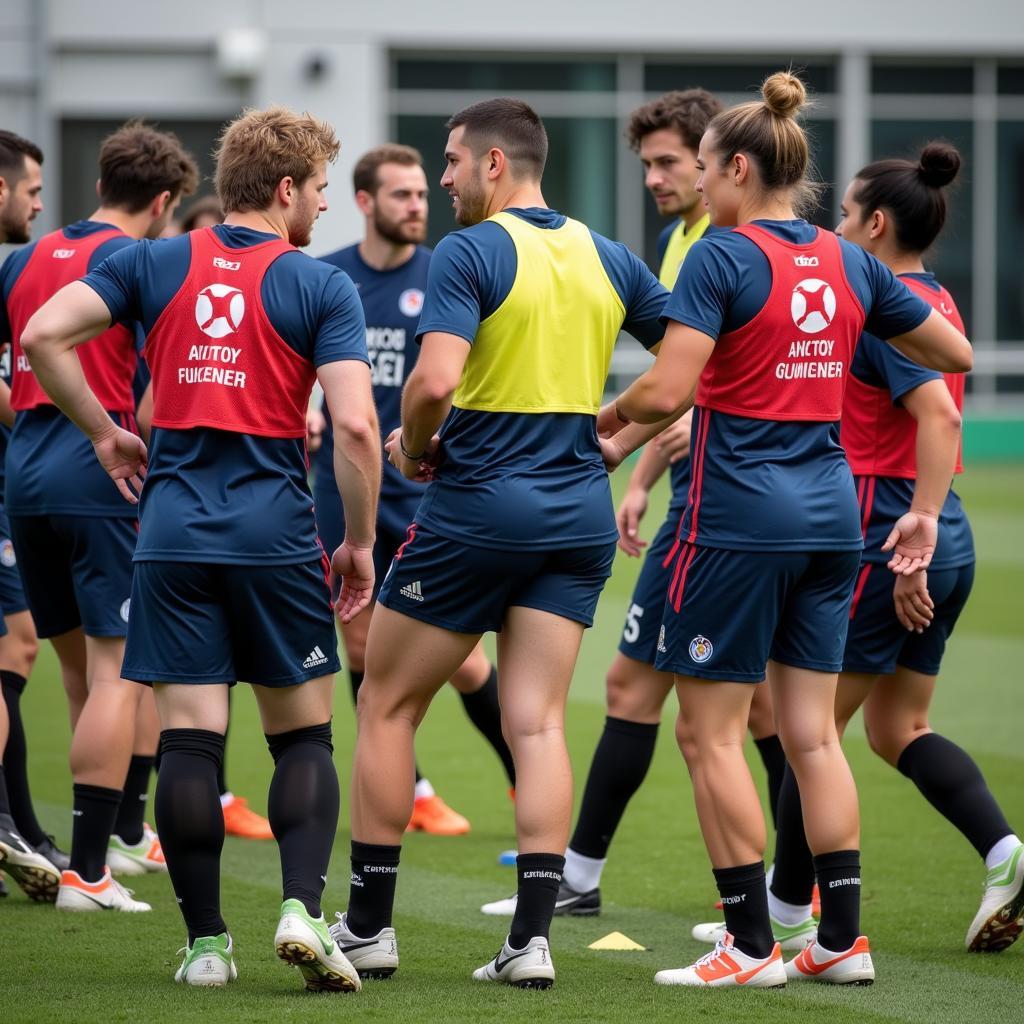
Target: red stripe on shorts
x=867, y=500
x=862, y=580
x=410, y=536
x=679, y=580
x=696, y=487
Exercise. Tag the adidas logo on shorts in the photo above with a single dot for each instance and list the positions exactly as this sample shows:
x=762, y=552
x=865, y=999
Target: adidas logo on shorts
x=316, y=657
x=413, y=591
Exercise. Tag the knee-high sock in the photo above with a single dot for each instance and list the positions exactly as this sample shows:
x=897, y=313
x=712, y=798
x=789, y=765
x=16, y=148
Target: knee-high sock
x=485, y=713
x=793, y=877
x=15, y=757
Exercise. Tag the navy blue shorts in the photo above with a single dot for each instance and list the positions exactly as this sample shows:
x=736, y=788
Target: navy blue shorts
x=643, y=619
x=200, y=623
x=468, y=589
x=12, y=593
x=877, y=643
x=77, y=571
x=729, y=612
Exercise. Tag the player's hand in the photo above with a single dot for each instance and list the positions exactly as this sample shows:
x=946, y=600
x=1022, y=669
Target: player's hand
x=631, y=511
x=123, y=455
x=914, y=606
x=611, y=453
x=674, y=441
x=421, y=470
x=355, y=567
x=316, y=424
x=608, y=422
x=912, y=542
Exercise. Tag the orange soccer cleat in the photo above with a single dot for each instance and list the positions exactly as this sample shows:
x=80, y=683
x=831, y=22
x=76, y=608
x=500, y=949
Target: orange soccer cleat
x=242, y=822
x=431, y=814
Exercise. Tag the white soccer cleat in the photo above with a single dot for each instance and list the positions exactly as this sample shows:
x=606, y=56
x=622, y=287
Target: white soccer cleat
x=1000, y=918
x=529, y=967
x=375, y=957
x=789, y=937
x=306, y=942
x=850, y=967
x=106, y=894
x=136, y=859
x=725, y=966
x=38, y=878
x=209, y=962
x=501, y=908
x=568, y=903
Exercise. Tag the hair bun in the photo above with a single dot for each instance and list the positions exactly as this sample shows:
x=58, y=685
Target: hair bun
x=784, y=94
x=939, y=164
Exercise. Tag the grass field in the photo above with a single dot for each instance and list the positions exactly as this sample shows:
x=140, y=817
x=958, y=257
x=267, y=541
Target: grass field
x=921, y=879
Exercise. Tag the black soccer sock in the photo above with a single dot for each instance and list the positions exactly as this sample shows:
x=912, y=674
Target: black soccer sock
x=839, y=884
x=774, y=758
x=303, y=809
x=620, y=765
x=191, y=824
x=745, y=905
x=485, y=713
x=15, y=757
x=539, y=875
x=132, y=812
x=95, y=809
x=5, y=804
x=371, y=892
x=793, y=877
x=953, y=784
x=356, y=680
x=222, y=780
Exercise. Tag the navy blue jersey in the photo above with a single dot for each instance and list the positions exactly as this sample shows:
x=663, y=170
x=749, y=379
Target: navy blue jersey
x=765, y=484
x=530, y=481
x=883, y=499
x=213, y=495
x=392, y=300
x=50, y=467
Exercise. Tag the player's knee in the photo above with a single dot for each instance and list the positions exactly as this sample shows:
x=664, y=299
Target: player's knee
x=889, y=736
x=686, y=738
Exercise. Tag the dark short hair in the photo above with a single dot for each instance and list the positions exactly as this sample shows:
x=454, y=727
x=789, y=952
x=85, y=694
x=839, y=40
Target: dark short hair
x=364, y=175
x=685, y=111
x=202, y=207
x=912, y=191
x=138, y=162
x=509, y=125
x=13, y=151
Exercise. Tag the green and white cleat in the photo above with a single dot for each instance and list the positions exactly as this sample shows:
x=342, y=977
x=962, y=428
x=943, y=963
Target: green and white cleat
x=793, y=937
x=139, y=858
x=209, y=962
x=305, y=942
x=1000, y=918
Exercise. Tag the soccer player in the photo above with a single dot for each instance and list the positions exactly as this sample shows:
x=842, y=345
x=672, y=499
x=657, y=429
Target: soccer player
x=762, y=324
x=26, y=852
x=901, y=432
x=666, y=134
x=389, y=267
x=74, y=535
x=515, y=534
x=230, y=581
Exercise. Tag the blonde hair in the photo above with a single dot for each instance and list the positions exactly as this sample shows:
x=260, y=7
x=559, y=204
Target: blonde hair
x=766, y=130
x=263, y=146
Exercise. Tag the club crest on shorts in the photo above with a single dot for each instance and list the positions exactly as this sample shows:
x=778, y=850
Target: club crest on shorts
x=701, y=648
x=7, y=556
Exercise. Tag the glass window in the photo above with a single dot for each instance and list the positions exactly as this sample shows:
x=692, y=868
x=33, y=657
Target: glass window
x=79, y=155
x=1010, y=232
x=579, y=179
x=1011, y=79
x=504, y=74
x=910, y=77
x=951, y=256
x=819, y=76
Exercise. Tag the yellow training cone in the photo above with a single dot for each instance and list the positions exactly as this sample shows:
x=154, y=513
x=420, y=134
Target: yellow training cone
x=616, y=940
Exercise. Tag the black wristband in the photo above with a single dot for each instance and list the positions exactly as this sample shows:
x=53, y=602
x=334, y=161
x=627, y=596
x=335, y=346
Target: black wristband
x=408, y=454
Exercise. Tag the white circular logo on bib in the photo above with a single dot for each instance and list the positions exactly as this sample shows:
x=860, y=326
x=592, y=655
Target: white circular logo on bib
x=813, y=305
x=410, y=302
x=701, y=648
x=219, y=310
x=125, y=605
x=7, y=556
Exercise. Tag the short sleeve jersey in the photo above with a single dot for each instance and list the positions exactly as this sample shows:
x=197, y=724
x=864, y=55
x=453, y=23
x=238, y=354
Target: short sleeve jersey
x=884, y=498
x=216, y=495
x=392, y=300
x=50, y=465
x=763, y=484
x=523, y=480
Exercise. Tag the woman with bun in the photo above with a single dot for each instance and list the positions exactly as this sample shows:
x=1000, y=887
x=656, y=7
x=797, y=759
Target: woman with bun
x=901, y=432
x=761, y=329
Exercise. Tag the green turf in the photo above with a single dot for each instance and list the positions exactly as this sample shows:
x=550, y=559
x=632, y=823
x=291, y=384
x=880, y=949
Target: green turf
x=922, y=880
